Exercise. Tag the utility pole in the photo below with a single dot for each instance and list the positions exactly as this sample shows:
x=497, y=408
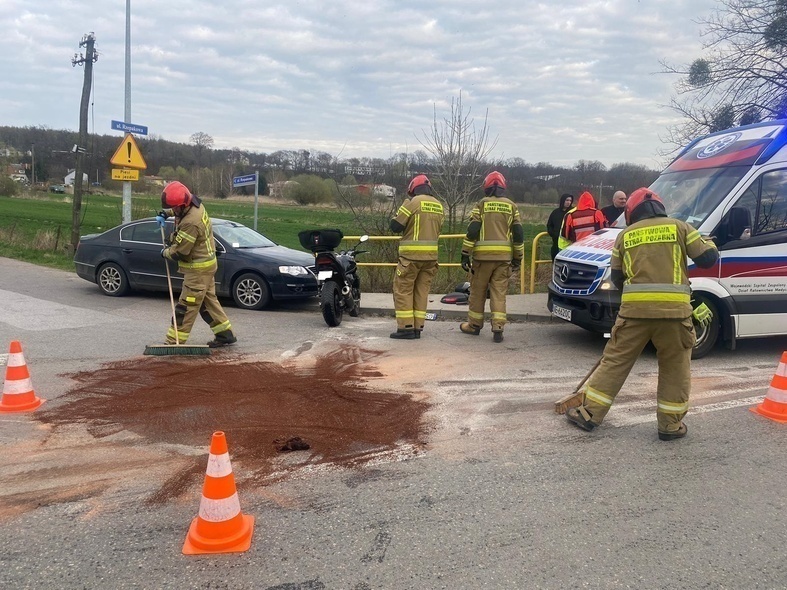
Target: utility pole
x=90, y=57
x=127, y=109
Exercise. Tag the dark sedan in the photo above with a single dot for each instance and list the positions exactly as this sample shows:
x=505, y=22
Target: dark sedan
x=252, y=269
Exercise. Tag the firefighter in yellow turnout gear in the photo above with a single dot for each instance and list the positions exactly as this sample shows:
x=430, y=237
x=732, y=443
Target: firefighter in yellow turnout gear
x=649, y=264
x=419, y=219
x=495, y=241
x=193, y=247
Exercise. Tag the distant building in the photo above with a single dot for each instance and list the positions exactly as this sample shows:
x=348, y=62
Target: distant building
x=71, y=176
x=377, y=190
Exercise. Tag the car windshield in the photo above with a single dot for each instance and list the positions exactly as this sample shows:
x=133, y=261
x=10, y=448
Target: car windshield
x=240, y=236
x=692, y=195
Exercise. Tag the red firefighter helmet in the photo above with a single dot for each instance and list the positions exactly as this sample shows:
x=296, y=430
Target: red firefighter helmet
x=494, y=179
x=175, y=195
x=643, y=204
x=420, y=180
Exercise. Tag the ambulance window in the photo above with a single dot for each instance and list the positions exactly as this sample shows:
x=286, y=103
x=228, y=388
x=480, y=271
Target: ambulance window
x=772, y=213
x=749, y=199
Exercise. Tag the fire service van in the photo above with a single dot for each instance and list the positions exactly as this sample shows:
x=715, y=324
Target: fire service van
x=732, y=187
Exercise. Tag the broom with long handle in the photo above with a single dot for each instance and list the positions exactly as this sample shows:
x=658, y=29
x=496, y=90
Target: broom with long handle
x=178, y=348
x=577, y=397
x=171, y=295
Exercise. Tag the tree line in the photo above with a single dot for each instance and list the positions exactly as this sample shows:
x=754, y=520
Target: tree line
x=210, y=170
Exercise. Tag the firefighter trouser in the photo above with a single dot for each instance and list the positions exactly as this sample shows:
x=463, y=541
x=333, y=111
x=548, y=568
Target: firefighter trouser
x=411, y=286
x=198, y=297
x=673, y=340
x=494, y=275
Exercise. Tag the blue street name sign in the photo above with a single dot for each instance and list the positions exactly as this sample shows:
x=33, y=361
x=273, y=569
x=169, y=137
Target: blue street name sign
x=248, y=179
x=129, y=127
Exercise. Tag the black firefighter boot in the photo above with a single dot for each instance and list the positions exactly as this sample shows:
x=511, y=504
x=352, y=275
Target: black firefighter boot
x=404, y=334
x=224, y=338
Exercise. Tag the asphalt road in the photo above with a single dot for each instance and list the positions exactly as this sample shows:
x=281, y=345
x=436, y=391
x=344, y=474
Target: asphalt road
x=505, y=494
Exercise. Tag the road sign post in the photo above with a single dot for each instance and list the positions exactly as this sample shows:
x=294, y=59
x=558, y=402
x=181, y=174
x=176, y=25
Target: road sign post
x=246, y=180
x=131, y=158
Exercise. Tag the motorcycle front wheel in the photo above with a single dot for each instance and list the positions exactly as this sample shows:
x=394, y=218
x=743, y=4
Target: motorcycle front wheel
x=331, y=304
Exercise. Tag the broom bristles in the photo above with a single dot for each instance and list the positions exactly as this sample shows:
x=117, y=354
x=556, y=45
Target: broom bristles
x=175, y=349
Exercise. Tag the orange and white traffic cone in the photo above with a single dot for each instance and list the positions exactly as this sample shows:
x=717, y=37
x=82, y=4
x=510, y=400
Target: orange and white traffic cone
x=18, y=394
x=774, y=406
x=220, y=526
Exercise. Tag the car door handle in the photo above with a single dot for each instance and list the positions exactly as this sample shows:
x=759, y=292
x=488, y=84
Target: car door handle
x=127, y=250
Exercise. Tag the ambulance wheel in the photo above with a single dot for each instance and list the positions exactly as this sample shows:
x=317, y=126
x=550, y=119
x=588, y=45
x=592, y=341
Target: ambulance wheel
x=707, y=336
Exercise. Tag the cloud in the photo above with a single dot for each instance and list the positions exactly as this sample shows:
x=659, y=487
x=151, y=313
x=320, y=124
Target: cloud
x=560, y=82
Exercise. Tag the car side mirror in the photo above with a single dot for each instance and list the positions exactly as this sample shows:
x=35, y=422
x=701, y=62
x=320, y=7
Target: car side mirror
x=738, y=224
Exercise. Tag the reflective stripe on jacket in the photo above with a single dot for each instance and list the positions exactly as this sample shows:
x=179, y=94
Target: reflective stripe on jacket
x=422, y=218
x=193, y=242
x=652, y=256
x=497, y=215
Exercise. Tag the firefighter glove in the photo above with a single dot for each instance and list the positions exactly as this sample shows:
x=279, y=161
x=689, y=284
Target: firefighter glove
x=516, y=263
x=465, y=263
x=161, y=220
x=164, y=253
x=702, y=315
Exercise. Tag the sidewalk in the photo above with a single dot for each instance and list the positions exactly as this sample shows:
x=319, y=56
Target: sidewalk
x=519, y=308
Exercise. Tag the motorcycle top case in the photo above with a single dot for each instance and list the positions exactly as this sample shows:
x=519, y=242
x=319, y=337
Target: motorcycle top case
x=320, y=240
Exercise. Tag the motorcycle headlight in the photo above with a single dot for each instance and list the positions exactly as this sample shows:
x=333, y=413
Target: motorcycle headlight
x=294, y=271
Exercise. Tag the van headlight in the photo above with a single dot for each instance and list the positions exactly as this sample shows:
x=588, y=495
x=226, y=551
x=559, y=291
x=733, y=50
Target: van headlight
x=606, y=284
x=294, y=271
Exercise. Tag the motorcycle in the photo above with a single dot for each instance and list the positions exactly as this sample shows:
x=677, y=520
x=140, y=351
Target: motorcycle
x=339, y=284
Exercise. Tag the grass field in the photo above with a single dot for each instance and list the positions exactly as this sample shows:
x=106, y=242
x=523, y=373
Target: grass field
x=38, y=229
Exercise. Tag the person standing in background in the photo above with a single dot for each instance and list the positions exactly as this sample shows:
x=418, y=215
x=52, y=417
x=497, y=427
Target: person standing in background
x=613, y=211
x=495, y=239
x=419, y=219
x=555, y=221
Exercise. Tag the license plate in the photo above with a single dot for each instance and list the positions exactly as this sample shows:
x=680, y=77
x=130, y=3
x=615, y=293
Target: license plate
x=324, y=275
x=430, y=315
x=561, y=312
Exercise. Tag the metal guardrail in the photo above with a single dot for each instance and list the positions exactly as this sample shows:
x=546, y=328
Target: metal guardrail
x=533, y=262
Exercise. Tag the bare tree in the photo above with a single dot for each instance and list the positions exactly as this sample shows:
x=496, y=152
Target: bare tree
x=743, y=74
x=202, y=142
x=459, y=153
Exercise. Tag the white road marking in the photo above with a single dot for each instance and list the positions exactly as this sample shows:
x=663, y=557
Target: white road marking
x=623, y=420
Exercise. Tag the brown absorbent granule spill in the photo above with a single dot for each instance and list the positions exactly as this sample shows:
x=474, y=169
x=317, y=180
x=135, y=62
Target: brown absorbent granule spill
x=261, y=406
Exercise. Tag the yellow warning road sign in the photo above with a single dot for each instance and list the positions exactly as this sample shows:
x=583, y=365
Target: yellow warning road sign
x=128, y=154
x=125, y=174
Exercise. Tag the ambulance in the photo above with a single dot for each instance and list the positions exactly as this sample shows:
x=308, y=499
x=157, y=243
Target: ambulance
x=732, y=187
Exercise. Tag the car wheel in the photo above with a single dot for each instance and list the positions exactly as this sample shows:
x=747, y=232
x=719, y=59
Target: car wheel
x=707, y=336
x=112, y=280
x=250, y=291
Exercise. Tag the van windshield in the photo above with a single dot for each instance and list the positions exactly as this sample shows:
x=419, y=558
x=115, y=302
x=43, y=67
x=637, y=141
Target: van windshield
x=692, y=195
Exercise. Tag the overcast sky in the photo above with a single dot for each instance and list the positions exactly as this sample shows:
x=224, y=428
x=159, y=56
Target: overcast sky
x=562, y=81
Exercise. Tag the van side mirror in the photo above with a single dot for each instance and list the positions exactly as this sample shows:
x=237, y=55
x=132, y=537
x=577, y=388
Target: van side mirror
x=738, y=224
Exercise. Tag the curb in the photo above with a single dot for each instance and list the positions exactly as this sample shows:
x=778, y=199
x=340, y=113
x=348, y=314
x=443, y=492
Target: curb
x=461, y=314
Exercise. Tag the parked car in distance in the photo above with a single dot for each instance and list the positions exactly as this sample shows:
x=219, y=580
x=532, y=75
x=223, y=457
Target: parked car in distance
x=252, y=269
x=57, y=188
